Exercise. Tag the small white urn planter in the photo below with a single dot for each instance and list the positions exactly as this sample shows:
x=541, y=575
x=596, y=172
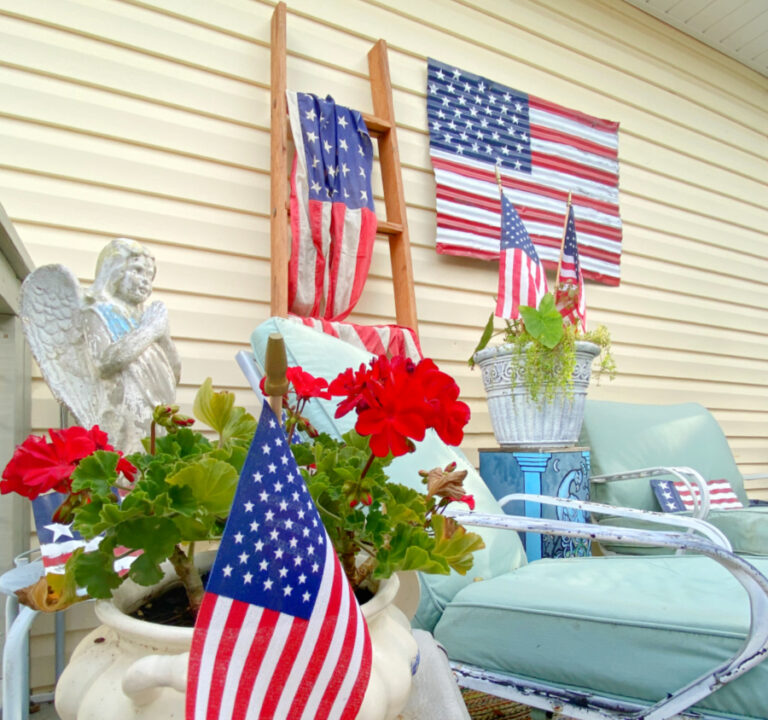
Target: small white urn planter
x=518, y=420
x=130, y=669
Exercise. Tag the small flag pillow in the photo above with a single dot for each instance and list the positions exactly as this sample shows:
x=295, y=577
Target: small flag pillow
x=675, y=496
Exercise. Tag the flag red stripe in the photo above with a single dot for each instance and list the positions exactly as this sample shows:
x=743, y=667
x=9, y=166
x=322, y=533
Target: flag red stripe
x=551, y=135
x=202, y=623
x=223, y=655
x=560, y=164
x=464, y=197
x=517, y=183
x=469, y=226
x=586, y=120
x=261, y=639
x=321, y=650
x=283, y=668
x=345, y=656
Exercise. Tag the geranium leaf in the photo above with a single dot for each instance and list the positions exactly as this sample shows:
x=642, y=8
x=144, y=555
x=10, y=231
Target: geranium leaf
x=212, y=482
x=217, y=409
x=96, y=473
x=456, y=546
x=156, y=536
x=95, y=570
x=145, y=571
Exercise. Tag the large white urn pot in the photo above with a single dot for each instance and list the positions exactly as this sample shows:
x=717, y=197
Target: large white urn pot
x=518, y=420
x=130, y=669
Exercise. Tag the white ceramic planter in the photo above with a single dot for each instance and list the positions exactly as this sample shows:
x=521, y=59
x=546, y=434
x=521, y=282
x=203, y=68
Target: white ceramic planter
x=129, y=669
x=516, y=419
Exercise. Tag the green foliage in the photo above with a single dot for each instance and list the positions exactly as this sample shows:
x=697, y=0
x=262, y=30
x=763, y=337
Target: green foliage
x=544, y=349
x=545, y=324
x=182, y=495
x=377, y=526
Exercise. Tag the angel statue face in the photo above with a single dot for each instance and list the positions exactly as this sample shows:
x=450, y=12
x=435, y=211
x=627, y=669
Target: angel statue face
x=135, y=283
x=125, y=271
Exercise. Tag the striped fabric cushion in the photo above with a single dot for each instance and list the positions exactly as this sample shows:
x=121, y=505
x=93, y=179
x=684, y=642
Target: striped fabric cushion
x=675, y=496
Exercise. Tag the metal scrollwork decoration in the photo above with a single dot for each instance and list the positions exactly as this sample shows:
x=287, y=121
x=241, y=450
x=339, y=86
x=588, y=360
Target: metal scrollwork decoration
x=104, y=356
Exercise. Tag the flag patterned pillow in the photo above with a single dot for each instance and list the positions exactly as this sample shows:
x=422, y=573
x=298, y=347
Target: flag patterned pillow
x=675, y=496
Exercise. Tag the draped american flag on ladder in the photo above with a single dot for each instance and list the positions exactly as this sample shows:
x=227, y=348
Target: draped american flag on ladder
x=544, y=151
x=569, y=294
x=333, y=222
x=279, y=634
x=521, y=276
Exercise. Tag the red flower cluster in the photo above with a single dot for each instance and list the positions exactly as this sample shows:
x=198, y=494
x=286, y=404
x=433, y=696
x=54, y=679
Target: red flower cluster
x=38, y=466
x=305, y=386
x=397, y=400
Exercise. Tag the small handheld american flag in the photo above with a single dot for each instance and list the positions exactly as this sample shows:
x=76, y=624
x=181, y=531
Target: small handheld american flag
x=521, y=275
x=280, y=633
x=569, y=293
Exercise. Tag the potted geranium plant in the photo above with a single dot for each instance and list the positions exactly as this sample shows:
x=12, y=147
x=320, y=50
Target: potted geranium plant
x=536, y=380
x=181, y=488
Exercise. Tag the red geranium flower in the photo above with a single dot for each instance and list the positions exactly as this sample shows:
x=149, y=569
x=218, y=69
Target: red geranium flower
x=307, y=386
x=38, y=466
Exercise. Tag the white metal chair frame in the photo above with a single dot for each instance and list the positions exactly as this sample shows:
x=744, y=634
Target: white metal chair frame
x=589, y=706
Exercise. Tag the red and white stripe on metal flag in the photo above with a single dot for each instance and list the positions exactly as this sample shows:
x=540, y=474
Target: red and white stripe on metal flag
x=333, y=222
x=389, y=340
x=544, y=151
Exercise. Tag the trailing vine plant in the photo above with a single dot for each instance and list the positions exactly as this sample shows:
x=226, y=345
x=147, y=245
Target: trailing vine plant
x=544, y=349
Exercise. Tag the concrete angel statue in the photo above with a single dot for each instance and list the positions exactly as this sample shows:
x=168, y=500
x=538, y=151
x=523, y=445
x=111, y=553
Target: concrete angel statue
x=104, y=356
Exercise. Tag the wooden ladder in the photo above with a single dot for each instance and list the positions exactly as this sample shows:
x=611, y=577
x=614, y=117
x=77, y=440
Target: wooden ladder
x=381, y=126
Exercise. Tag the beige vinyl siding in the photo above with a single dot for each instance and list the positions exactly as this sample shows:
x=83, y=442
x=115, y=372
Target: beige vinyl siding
x=150, y=119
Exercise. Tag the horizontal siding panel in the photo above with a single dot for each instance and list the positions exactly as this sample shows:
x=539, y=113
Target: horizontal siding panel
x=146, y=32
x=102, y=162
x=92, y=63
x=113, y=213
x=132, y=121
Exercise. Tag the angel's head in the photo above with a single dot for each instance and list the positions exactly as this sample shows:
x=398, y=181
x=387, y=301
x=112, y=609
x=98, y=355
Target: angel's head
x=124, y=271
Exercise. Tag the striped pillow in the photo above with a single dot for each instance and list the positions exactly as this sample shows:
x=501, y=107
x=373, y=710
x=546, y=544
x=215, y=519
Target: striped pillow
x=675, y=496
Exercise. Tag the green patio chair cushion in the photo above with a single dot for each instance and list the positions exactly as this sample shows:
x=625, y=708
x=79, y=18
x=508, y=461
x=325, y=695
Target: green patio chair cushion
x=631, y=436
x=326, y=356
x=628, y=627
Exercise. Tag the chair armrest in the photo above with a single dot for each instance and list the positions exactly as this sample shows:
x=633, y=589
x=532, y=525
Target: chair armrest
x=693, y=525
x=755, y=647
x=688, y=475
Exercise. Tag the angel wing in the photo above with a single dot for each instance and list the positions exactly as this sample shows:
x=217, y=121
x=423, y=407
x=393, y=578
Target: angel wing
x=51, y=315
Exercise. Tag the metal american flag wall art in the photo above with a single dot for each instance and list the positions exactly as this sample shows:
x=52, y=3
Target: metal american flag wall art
x=544, y=151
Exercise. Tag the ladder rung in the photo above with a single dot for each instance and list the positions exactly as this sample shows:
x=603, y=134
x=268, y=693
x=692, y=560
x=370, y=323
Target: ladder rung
x=389, y=228
x=376, y=125
x=384, y=227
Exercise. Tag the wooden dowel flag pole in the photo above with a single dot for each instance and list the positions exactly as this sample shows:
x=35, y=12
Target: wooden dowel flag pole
x=498, y=180
x=275, y=365
x=562, y=239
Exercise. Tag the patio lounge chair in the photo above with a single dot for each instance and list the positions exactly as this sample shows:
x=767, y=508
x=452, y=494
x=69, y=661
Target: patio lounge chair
x=594, y=637
x=626, y=437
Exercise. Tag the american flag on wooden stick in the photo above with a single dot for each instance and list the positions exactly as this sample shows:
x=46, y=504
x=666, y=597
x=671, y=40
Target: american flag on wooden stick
x=545, y=150
x=333, y=222
x=569, y=290
x=521, y=276
x=280, y=633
